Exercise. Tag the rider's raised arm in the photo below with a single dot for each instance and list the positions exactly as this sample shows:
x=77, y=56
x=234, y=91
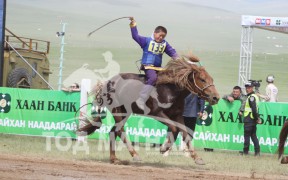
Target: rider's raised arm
x=139, y=39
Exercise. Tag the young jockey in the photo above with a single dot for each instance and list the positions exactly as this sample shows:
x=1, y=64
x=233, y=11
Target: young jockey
x=153, y=49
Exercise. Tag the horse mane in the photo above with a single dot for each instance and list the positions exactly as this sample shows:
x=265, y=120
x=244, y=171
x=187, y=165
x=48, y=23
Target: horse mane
x=282, y=139
x=177, y=71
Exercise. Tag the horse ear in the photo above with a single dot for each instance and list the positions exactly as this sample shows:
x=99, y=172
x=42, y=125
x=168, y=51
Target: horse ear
x=191, y=57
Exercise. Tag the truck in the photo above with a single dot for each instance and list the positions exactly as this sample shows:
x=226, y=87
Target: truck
x=26, y=64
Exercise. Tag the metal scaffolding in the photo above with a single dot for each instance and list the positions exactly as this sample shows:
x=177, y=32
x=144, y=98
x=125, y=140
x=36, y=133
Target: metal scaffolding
x=245, y=55
x=276, y=24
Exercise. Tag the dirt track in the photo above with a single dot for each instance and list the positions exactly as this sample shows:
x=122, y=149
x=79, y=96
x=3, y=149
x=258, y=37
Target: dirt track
x=19, y=167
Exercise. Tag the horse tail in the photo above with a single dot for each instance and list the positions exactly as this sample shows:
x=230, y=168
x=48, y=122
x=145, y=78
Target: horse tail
x=97, y=93
x=97, y=112
x=90, y=127
x=282, y=139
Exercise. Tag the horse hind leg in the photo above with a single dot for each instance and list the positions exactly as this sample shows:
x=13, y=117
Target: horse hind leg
x=118, y=130
x=284, y=160
x=170, y=139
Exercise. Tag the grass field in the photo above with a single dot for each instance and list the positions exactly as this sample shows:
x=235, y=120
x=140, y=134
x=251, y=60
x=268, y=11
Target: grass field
x=220, y=161
x=222, y=65
x=214, y=36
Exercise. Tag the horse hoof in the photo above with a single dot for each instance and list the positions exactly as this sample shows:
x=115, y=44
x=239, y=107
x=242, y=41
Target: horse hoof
x=119, y=162
x=115, y=161
x=187, y=154
x=163, y=150
x=137, y=158
x=284, y=160
x=199, y=161
x=166, y=153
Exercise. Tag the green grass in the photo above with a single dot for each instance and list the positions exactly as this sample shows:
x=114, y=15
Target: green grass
x=214, y=36
x=223, y=66
x=220, y=161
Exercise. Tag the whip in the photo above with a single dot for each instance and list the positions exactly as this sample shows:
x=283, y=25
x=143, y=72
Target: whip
x=107, y=24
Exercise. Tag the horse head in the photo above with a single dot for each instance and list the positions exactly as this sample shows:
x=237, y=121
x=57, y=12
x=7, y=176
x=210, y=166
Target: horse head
x=188, y=75
x=202, y=84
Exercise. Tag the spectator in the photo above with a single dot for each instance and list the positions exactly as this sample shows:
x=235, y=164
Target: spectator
x=271, y=90
x=73, y=88
x=251, y=119
x=193, y=108
x=236, y=95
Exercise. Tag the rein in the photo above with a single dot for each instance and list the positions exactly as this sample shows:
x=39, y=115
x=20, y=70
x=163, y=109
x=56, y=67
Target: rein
x=198, y=86
x=190, y=86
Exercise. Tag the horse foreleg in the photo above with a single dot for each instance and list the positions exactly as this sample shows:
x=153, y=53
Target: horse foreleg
x=187, y=139
x=172, y=132
x=112, y=137
x=170, y=138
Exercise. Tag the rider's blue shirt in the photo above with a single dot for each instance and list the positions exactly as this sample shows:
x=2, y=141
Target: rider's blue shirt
x=152, y=50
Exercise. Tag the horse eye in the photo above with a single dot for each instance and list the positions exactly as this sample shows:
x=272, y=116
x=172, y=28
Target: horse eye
x=202, y=80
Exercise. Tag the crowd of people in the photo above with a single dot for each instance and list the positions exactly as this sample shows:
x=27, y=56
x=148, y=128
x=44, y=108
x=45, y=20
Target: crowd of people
x=249, y=109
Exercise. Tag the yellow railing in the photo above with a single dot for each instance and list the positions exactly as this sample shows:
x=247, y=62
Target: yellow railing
x=27, y=43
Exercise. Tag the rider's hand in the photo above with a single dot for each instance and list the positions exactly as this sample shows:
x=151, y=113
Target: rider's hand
x=133, y=22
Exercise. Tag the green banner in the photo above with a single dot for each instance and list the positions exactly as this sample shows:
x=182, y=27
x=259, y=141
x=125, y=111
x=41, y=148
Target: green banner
x=38, y=112
x=227, y=129
x=220, y=128
x=52, y=113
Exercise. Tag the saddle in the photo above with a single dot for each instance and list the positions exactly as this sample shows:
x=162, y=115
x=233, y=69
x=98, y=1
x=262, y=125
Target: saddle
x=145, y=67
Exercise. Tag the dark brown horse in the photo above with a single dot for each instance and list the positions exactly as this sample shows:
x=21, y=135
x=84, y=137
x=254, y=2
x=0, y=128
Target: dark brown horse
x=165, y=104
x=282, y=140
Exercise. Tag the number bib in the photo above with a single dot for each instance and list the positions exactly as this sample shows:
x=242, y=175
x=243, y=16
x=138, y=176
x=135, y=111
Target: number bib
x=156, y=48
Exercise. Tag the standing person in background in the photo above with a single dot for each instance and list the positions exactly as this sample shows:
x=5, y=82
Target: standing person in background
x=153, y=49
x=73, y=88
x=271, y=90
x=236, y=95
x=193, y=108
x=251, y=119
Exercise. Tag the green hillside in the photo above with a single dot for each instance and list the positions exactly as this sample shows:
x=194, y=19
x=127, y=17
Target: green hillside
x=211, y=33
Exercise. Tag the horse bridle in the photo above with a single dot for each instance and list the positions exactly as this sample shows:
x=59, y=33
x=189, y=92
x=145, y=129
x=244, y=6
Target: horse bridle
x=201, y=89
x=198, y=86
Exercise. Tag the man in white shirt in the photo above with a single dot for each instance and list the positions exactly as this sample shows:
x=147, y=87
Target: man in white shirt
x=271, y=90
